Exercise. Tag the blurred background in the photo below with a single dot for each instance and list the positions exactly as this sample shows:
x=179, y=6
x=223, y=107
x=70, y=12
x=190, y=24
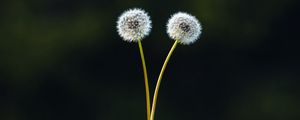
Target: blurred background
x=63, y=60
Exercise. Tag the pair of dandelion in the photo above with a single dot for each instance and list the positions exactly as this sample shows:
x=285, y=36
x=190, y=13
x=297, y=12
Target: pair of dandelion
x=135, y=24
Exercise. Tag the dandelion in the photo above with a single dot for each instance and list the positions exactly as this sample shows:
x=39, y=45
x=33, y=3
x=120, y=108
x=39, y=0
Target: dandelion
x=184, y=27
x=133, y=25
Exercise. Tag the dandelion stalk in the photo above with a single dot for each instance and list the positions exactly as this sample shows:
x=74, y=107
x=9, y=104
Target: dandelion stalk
x=160, y=78
x=145, y=80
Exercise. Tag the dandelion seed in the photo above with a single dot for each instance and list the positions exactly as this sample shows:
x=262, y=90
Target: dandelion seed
x=184, y=27
x=133, y=25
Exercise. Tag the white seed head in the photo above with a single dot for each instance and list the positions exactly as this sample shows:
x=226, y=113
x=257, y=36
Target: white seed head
x=184, y=27
x=134, y=25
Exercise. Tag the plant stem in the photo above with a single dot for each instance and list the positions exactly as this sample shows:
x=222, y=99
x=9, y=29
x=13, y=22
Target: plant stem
x=160, y=78
x=145, y=80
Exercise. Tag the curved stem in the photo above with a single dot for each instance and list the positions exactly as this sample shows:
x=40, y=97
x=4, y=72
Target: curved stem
x=145, y=80
x=159, y=80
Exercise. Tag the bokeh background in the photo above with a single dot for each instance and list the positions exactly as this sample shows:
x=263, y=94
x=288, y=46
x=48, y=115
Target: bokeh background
x=63, y=60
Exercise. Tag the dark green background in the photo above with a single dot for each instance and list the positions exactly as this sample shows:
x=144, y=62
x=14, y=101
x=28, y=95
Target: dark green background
x=63, y=60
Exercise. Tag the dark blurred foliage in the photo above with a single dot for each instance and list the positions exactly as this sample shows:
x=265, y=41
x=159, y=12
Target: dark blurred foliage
x=63, y=60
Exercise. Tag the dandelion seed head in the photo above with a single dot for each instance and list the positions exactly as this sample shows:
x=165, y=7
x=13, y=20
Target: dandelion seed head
x=184, y=27
x=134, y=25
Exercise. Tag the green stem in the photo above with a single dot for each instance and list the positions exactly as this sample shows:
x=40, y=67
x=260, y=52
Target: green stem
x=145, y=79
x=159, y=80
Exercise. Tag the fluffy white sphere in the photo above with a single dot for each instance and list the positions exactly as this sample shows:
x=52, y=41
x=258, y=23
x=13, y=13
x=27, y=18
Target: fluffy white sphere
x=134, y=25
x=184, y=27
